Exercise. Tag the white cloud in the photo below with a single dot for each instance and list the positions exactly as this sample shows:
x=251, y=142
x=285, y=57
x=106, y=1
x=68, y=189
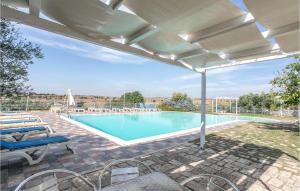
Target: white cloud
x=190, y=86
x=128, y=85
x=188, y=77
x=223, y=71
x=235, y=91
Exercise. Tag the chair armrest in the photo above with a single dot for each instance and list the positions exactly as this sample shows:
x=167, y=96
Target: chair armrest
x=208, y=175
x=118, y=162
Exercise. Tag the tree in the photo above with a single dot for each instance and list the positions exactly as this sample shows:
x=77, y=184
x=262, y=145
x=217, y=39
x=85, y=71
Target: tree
x=261, y=101
x=179, y=97
x=287, y=83
x=178, y=102
x=133, y=97
x=16, y=54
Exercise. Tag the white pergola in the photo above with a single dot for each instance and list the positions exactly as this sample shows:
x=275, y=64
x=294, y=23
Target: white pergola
x=194, y=34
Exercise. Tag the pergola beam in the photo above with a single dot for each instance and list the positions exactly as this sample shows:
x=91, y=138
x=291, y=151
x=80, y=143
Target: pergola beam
x=252, y=52
x=101, y=40
x=282, y=30
x=115, y=4
x=141, y=34
x=221, y=28
x=191, y=53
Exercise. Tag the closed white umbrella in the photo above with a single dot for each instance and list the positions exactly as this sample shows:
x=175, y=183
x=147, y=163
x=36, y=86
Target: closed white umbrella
x=71, y=100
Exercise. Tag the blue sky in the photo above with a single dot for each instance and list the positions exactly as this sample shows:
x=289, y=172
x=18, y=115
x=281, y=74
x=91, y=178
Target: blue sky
x=93, y=70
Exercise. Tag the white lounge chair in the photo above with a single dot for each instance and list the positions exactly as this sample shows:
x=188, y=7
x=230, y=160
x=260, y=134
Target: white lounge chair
x=20, y=125
x=50, y=182
x=23, y=133
x=23, y=120
x=28, y=148
x=3, y=117
x=14, y=114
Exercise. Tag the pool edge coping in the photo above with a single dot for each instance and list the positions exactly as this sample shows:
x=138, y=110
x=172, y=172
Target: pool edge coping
x=122, y=142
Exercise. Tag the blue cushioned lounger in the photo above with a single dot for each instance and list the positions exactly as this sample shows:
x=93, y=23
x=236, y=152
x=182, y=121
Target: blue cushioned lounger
x=11, y=145
x=22, y=133
x=28, y=148
x=6, y=121
x=22, y=130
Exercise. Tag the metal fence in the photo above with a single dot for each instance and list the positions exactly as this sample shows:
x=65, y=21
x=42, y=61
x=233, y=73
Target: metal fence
x=22, y=104
x=284, y=112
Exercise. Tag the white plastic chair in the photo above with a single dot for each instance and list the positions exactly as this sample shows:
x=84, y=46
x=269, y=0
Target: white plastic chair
x=51, y=182
x=212, y=183
x=119, y=175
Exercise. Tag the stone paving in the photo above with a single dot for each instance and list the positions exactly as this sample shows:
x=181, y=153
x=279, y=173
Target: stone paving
x=91, y=152
x=250, y=166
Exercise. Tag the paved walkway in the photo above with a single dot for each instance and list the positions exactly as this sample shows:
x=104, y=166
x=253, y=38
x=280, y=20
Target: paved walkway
x=252, y=167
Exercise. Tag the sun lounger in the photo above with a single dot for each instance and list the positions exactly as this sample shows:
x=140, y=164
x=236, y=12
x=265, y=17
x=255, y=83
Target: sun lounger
x=17, y=125
x=28, y=148
x=23, y=120
x=50, y=182
x=16, y=116
x=23, y=133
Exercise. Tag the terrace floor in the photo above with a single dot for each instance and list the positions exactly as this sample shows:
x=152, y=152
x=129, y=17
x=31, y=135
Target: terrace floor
x=253, y=156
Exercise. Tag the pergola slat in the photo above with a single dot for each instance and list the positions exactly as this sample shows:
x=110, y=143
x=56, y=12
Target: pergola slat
x=281, y=18
x=218, y=31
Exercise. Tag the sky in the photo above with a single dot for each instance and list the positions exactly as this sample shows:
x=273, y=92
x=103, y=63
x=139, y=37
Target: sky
x=89, y=69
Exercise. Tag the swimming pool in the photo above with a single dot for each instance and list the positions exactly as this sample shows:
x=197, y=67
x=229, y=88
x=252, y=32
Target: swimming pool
x=132, y=128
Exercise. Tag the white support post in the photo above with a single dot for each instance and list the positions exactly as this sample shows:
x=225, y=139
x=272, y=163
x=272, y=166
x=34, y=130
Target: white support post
x=203, y=108
x=212, y=105
x=236, y=106
x=27, y=102
x=216, y=105
x=230, y=106
x=124, y=99
x=281, y=108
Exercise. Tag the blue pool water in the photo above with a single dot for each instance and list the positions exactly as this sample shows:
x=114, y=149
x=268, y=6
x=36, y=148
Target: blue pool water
x=142, y=125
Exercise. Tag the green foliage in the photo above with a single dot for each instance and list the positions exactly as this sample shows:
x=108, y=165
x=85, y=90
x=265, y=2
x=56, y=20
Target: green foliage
x=133, y=97
x=251, y=101
x=80, y=104
x=179, y=97
x=18, y=103
x=16, y=55
x=287, y=83
x=178, y=102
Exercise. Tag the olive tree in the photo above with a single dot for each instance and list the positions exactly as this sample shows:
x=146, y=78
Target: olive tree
x=16, y=55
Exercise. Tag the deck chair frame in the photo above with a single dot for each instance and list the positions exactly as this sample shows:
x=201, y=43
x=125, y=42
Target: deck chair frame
x=28, y=153
x=211, y=182
x=24, y=136
x=55, y=171
x=106, y=168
